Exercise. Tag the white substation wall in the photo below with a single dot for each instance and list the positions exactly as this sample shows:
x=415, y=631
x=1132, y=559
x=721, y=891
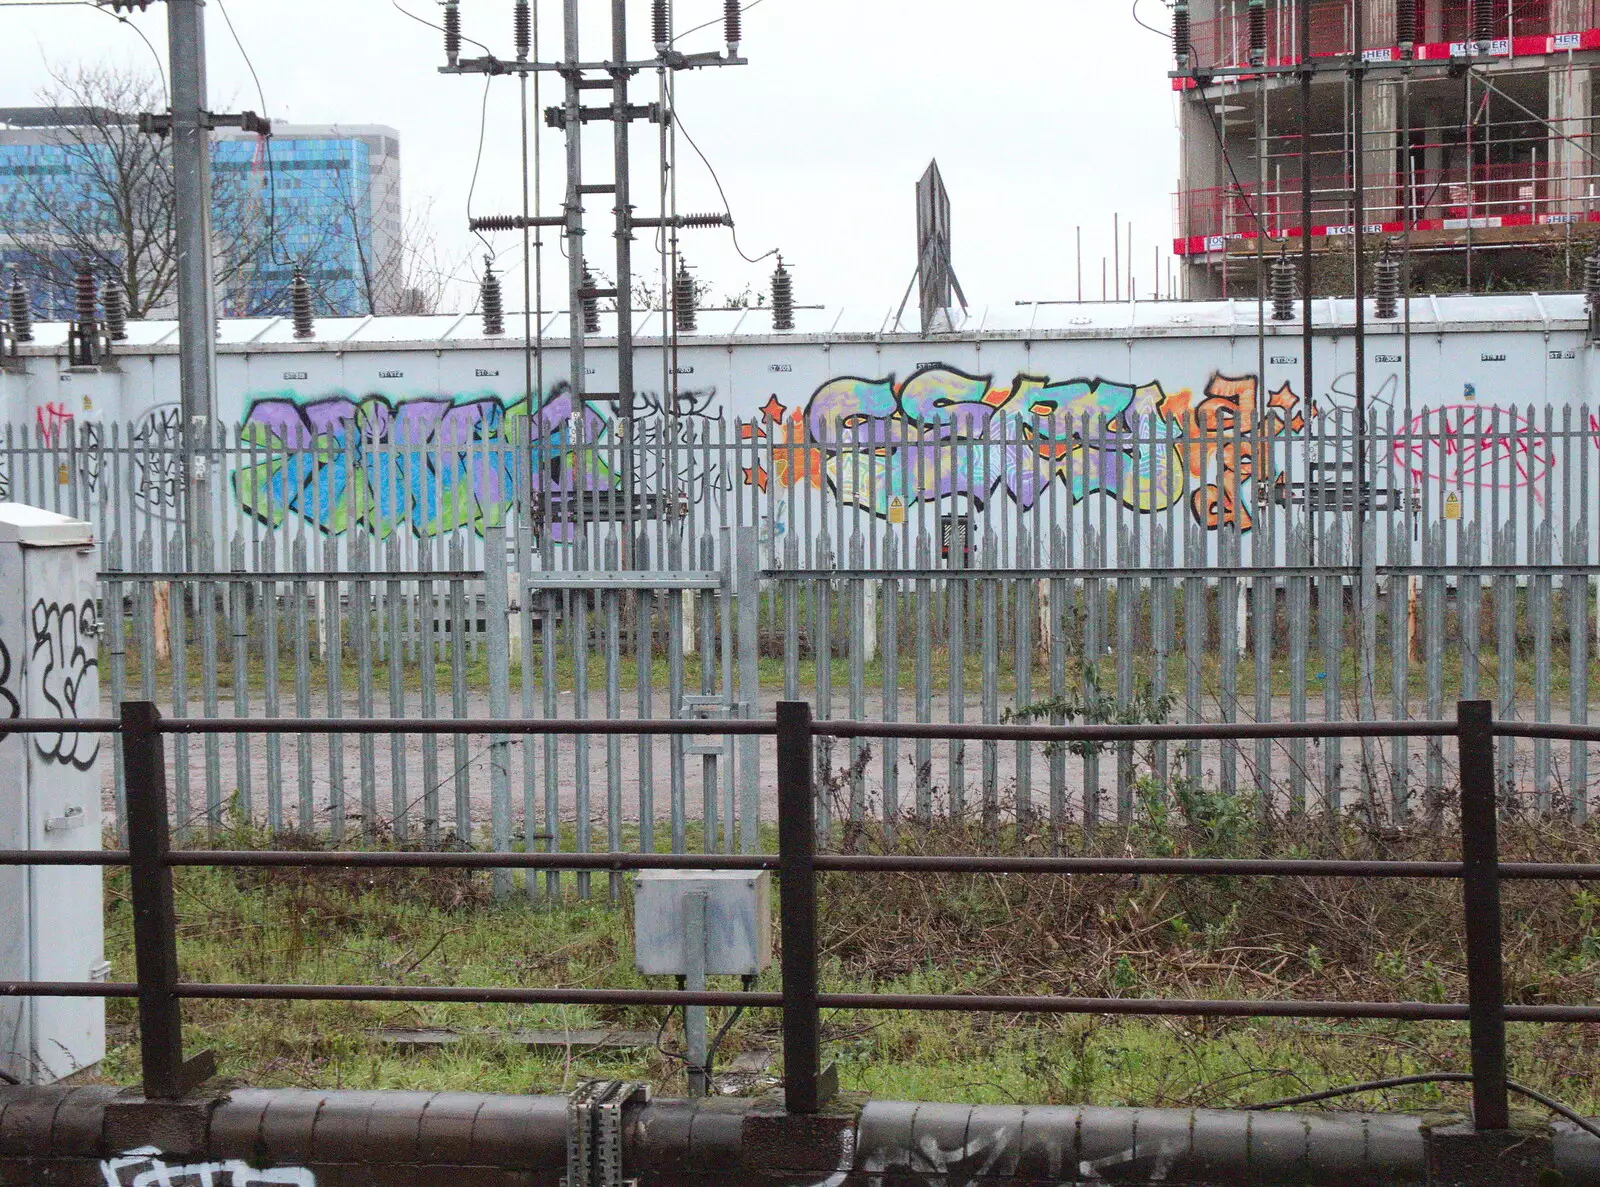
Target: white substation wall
x=1507, y=352
x=1518, y=354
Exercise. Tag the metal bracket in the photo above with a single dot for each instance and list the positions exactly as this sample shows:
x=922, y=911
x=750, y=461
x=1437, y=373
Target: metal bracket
x=594, y=1132
x=74, y=818
x=701, y=707
x=642, y=579
x=160, y=123
x=556, y=117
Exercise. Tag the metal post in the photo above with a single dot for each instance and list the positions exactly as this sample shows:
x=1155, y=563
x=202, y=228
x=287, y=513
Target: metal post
x=1366, y=594
x=1309, y=394
x=574, y=204
x=1261, y=236
x=746, y=607
x=166, y=1075
x=497, y=612
x=622, y=129
x=1481, y=900
x=797, y=847
x=1358, y=116
x=191, y=169
x=694, y=1017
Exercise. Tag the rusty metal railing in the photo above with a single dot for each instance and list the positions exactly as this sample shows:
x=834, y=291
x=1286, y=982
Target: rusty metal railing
x=159, y=990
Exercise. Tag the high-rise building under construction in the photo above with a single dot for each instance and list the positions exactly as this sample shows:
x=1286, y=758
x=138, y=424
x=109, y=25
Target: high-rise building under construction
x=1471, y=139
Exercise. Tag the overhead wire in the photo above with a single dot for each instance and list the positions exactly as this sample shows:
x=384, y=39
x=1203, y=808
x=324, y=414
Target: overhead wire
x=713, y=21
x=272, y=173
x=166, y=90
x=1251, y=208
x=477, y=164
x=440, y=28
x=1142, y=25
x=727, y=208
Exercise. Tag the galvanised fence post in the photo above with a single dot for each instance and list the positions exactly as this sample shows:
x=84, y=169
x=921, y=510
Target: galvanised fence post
x=166, y=1076
x=1480, y=855
x=797, y=850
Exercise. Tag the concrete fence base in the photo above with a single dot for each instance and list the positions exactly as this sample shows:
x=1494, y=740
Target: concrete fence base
x=103, y=1137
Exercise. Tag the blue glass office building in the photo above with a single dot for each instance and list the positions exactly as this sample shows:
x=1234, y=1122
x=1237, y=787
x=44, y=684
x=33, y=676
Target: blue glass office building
x=333, y=195
x=329, y=195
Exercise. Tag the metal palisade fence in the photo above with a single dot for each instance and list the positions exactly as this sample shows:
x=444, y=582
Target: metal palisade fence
x=1239, y=562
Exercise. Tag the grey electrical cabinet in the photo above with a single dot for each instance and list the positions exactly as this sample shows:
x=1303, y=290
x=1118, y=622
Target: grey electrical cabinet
x=738, y=921
x=50, y=916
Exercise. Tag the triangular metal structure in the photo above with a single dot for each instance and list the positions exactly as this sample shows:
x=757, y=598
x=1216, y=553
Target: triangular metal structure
x=935, y=276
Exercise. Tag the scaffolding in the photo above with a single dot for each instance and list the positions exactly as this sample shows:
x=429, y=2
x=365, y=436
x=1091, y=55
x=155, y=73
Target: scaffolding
x=1466, y=147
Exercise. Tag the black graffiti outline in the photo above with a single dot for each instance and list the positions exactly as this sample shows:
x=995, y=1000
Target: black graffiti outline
x=11, y=706
x=91, y=454
x=50, y=622
x=157, y=466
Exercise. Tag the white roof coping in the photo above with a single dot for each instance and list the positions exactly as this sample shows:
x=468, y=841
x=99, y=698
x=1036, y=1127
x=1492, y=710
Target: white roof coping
x=1009, y=321
x=23, y=524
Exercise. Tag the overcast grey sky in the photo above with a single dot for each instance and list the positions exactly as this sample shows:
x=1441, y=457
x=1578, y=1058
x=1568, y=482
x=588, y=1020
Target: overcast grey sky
x=1044, y=115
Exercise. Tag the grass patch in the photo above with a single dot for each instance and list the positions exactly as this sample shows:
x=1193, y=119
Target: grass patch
x=1125, y=936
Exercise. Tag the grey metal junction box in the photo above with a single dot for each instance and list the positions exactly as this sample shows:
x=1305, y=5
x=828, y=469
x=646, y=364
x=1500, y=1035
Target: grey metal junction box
x=51, y=917
x=738, y=921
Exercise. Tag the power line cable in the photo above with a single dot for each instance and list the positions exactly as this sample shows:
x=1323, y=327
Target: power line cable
x=1532, y=1094
x=728, y=209
x=1142, y=25
x=440, y=28
x=483, y=124
x=118, y=17
x=713, y=21
x=1251, y=208
x=272, y=173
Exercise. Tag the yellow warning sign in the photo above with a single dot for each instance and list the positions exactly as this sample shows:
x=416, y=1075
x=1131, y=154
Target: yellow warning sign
x=1452, y=506
x=897, y=510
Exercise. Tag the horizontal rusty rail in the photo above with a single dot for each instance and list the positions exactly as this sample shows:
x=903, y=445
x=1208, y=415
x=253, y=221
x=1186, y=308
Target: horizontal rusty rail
x=1203, y=867
x=151, y=861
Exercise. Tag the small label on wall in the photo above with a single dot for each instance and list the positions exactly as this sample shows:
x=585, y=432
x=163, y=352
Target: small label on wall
x=294, y=374
x=1563, y=354
x=1491, y=358
x=1283, y=360
x=485, y=372
x=1452, y=506
x=780, y=367
x=683, y=370
x=1386, y=358
x=391, y=374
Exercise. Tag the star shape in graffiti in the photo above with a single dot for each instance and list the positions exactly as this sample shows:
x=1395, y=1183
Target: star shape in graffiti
x=755, y=476
x=748, y=432
x=773, y=409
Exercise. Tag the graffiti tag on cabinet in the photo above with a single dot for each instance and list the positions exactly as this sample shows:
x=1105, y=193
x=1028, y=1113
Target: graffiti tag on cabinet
x=62, y=660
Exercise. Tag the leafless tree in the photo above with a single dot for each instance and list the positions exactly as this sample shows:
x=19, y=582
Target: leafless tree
x=411, y=278
x=103, y=193
x=115, y=209
x=647, y=292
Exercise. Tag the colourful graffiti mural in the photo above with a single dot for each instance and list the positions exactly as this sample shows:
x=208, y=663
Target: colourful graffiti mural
x=943, y=433
x=429, y=464
x=436, y=464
